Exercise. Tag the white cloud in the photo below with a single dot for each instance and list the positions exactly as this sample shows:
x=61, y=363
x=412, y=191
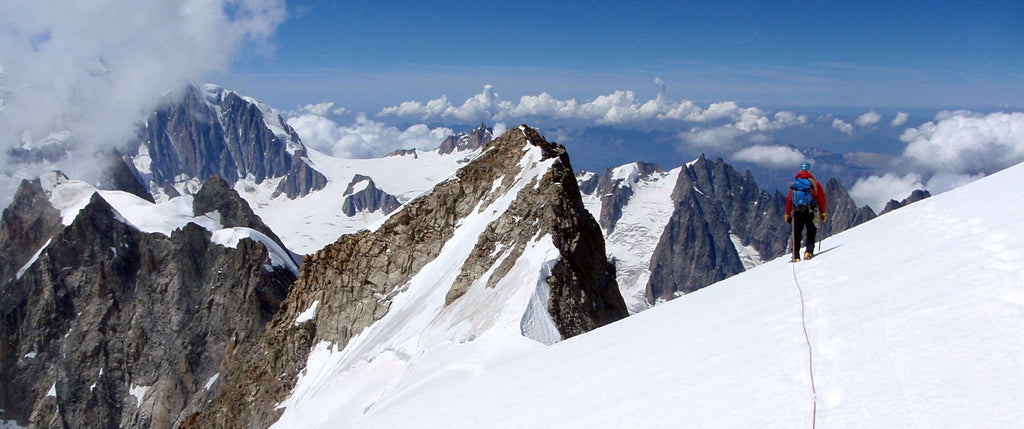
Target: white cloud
x=900, y=119
x=95, y=68
x=365, y=138
x=956, y=148
x=616, y=108
x=876, y=191
x=942, y=182
x=725, y=136
x=319, y=109
x=749, y=125
x=868, y=119
x=484, y=106
x=842, y=126
x=543, y=105
x=771, y=156
x=967, y=143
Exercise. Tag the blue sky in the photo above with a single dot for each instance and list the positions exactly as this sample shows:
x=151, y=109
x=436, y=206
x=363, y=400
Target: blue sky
x=873, y=54
x=936, y=87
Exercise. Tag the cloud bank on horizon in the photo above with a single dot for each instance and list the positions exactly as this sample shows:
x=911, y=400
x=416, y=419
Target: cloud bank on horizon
x=954, y=148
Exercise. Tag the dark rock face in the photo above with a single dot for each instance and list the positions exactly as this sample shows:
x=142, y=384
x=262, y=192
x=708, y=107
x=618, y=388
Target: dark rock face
x=301, y=179
x=216, y=196
x=615, y=192
x=715, y=204
x=355, y=278
x=220, y=133
x=27, y=224
x=695, y=250
x=121, y=175
x=914, y=197
x=587, y=181
x=842, y=211
x=113, y=327
x=368, y=198
x=472, y=140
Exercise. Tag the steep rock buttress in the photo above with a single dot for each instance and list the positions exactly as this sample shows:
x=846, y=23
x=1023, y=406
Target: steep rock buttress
x=505, y=238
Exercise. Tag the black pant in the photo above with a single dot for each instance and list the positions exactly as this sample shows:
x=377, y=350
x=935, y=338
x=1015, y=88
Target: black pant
x=801, y=220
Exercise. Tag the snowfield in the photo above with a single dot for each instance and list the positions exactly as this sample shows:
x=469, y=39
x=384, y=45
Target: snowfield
x=308, y=223
x=915, y=319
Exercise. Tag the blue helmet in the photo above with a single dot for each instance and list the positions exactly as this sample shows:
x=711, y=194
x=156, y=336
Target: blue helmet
x=805, y=166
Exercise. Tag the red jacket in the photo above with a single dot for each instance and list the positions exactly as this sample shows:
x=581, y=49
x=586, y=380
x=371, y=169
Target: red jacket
x=819, y=193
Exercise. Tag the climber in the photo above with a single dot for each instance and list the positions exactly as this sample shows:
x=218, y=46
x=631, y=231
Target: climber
x=806, y=196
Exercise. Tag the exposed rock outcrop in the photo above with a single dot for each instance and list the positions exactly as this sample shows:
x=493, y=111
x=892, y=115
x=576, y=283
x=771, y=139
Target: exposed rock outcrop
x=587, y=181
x=109, y=326
x=121, y=175
x=233, y=211
x=917, y=195
x=351, y=283
x=842, y=211
x=472, y=140
x=717, y=210
x=362, y=195
x=211, y=132
x=404, y=152
x=26, y=225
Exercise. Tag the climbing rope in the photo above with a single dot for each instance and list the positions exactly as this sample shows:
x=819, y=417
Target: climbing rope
x=807, y=338
x=810, y=353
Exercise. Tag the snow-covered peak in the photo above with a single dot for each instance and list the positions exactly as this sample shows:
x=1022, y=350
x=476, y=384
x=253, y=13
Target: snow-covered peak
x=492, y=283
x=584, y=175
x=71, y=196
x=272, y=118
x=628, y=173
x=214, y=93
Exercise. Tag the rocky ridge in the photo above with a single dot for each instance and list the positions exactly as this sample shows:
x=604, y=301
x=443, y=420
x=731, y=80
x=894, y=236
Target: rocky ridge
x=718, y=212
x=915, y=196
x=718, y=223
x=518, y=191
x=108, y=326
x=472, y=140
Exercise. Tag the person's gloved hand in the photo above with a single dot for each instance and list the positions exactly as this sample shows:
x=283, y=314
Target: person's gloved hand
x=789, y=219
x=824, y=216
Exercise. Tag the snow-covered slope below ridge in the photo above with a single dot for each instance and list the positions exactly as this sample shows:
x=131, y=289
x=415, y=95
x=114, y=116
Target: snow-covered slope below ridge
x=914, y=319
x=499, y=259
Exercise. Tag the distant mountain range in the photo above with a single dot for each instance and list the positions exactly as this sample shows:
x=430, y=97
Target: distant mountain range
x=172, y=294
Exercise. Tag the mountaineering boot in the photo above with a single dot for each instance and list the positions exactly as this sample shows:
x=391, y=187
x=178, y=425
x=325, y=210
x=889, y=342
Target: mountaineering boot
x=795, y=259
x=808, y=255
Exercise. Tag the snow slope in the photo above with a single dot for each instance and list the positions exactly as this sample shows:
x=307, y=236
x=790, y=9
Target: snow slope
x=915, y=319
x=416, y=342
